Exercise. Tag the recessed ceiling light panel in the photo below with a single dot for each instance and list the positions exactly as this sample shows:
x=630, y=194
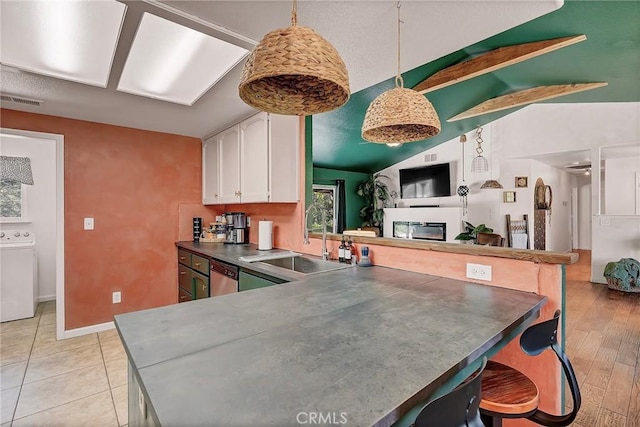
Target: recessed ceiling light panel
x=71, y=40
x=174, y=63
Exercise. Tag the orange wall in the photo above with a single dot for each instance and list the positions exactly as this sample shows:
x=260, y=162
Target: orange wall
x=135, y=184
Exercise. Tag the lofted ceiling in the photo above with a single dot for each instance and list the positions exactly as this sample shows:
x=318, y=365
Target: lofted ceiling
x=362, y=31
x=611, y=54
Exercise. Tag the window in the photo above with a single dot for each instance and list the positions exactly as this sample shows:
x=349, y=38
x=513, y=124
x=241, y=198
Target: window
x=11, y=199
x=326, y=196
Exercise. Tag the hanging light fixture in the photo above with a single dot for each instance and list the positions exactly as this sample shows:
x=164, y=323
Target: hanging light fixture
x=463, y=190
x=400, y=115
x=294, y=71
x=479, y=164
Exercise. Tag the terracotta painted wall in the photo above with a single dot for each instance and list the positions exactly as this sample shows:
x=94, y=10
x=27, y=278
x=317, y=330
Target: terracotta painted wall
x=135, y=184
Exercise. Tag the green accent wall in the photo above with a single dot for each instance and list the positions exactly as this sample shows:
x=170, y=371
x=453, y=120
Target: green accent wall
x=610, y=54
x=351, y=181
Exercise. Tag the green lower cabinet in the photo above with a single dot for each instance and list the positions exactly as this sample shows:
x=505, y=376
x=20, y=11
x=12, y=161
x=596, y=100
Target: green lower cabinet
x=250, y=281
x=200, y=285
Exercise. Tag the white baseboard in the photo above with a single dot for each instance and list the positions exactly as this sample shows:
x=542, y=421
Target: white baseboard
x=88, y=330
x=43, y=298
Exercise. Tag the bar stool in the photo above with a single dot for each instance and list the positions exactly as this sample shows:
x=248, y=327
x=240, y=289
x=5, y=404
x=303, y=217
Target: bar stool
x=508, y=393
x=458, y=408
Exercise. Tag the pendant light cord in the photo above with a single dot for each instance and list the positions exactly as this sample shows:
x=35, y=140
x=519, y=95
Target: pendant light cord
x=462, y=141
x=399, y=80
x=294, y=14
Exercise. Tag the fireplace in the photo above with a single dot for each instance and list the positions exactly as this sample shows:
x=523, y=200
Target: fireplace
x=420, y=230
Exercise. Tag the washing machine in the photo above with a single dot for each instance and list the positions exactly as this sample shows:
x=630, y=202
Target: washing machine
x=18, y=275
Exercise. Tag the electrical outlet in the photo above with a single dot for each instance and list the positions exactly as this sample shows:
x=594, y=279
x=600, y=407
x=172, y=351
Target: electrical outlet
x=88, y=223
x=479, y=271
x=248, y=221
x=117, y=297
x=605, y=221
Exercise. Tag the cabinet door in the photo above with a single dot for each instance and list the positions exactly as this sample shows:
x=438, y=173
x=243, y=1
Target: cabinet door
x=201, y=285
x=210, y=184
x=229, y=165
x=284, y=158
x=184, y=279
x=254, y=155
x=249, y=281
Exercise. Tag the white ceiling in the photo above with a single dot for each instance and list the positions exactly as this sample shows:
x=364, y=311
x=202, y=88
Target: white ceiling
x=575, y=161
x=363, y=32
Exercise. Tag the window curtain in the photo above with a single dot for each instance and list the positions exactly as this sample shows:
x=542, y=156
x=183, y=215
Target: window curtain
x=16, y=169
x=341, y=222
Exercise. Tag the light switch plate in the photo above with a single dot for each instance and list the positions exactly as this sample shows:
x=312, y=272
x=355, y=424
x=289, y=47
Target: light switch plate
x=117, y=297
x=479, y=272
x=88, y=223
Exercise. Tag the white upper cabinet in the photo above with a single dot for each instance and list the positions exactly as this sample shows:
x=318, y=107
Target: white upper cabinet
x=284, y=158
x=210, y=184
x=254, y=155
x=229, y=165
x=256, y=161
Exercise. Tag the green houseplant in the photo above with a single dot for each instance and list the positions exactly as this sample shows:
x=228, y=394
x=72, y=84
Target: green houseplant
x=376, y=195
x=470, y=232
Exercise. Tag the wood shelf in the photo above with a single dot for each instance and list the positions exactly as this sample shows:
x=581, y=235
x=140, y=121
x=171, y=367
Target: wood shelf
x=545, y=257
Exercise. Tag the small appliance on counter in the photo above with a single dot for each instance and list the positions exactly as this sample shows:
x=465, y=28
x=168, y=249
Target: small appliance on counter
x=197, y=228
x=237, y=229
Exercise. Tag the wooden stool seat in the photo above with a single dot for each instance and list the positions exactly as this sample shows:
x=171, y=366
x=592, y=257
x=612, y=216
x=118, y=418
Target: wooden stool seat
x=507, y=391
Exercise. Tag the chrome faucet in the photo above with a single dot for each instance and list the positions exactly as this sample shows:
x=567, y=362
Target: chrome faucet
x=325, y=252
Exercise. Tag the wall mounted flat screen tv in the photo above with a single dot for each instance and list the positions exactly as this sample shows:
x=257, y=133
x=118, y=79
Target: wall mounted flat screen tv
x=425, y=181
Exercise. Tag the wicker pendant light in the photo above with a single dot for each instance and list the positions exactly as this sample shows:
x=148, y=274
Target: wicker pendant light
x=400, y=115
x=294, y=71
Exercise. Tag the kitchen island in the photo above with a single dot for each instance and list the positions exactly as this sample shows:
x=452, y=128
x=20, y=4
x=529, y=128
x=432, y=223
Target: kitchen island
x=360, y=345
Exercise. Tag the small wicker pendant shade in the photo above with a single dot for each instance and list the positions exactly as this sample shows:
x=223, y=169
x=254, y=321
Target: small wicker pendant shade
x=294, y=71
x=400, y=115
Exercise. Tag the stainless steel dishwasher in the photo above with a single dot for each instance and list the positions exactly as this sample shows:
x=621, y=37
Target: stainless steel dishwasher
x=223, y=278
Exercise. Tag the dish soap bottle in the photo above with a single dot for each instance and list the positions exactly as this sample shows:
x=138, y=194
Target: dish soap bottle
x=364, y=259
x=341, y=250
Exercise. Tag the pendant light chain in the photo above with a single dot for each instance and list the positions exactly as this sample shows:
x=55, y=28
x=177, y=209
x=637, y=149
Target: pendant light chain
x=399, y=80
x=294, y=14
x=479, y=140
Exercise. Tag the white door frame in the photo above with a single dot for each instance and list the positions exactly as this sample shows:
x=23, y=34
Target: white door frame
x=59, y=141
x=575, y=230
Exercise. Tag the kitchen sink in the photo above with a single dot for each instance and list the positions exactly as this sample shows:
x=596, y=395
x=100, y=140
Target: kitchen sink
x=306, y=265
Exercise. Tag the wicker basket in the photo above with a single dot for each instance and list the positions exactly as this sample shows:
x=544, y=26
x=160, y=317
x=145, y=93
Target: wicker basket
x=294, y=71
x=400, y=115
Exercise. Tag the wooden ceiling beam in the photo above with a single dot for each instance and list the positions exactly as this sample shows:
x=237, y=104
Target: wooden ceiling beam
x=492, y=61
x=524, y=97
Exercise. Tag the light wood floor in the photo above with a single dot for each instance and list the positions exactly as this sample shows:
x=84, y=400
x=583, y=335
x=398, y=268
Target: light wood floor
x=603, y=344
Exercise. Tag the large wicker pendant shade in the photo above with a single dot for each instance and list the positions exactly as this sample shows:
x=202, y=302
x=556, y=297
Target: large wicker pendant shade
x=400, y=115
x=294, y=71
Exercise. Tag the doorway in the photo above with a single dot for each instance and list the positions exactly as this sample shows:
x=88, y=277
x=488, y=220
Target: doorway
x=44, y=209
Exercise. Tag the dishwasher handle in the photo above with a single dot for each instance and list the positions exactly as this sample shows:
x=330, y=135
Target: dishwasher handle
x=228, y=270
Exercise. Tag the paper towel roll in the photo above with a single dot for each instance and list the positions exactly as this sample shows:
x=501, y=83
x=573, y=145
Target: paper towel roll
x=265, y=235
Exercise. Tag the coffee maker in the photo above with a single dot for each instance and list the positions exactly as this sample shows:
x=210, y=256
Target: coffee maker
x=237, y=230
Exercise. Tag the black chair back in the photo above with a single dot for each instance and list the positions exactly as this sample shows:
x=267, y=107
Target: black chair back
x=458, y=408
x=534, y=341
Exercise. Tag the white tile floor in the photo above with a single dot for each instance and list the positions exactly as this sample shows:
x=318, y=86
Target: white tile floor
x=75, y=382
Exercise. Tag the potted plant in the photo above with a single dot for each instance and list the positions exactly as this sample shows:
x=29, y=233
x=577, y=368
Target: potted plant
x=376, y=194
x=470, y=232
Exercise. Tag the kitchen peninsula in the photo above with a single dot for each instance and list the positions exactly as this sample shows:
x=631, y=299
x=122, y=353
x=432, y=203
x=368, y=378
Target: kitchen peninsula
x=363, y=345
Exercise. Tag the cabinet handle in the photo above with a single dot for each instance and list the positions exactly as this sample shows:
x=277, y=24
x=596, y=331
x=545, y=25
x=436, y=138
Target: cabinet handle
x=182, y=273
x=197, y=264
x=215, y=195
x=182, y=258
x=204, y=287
